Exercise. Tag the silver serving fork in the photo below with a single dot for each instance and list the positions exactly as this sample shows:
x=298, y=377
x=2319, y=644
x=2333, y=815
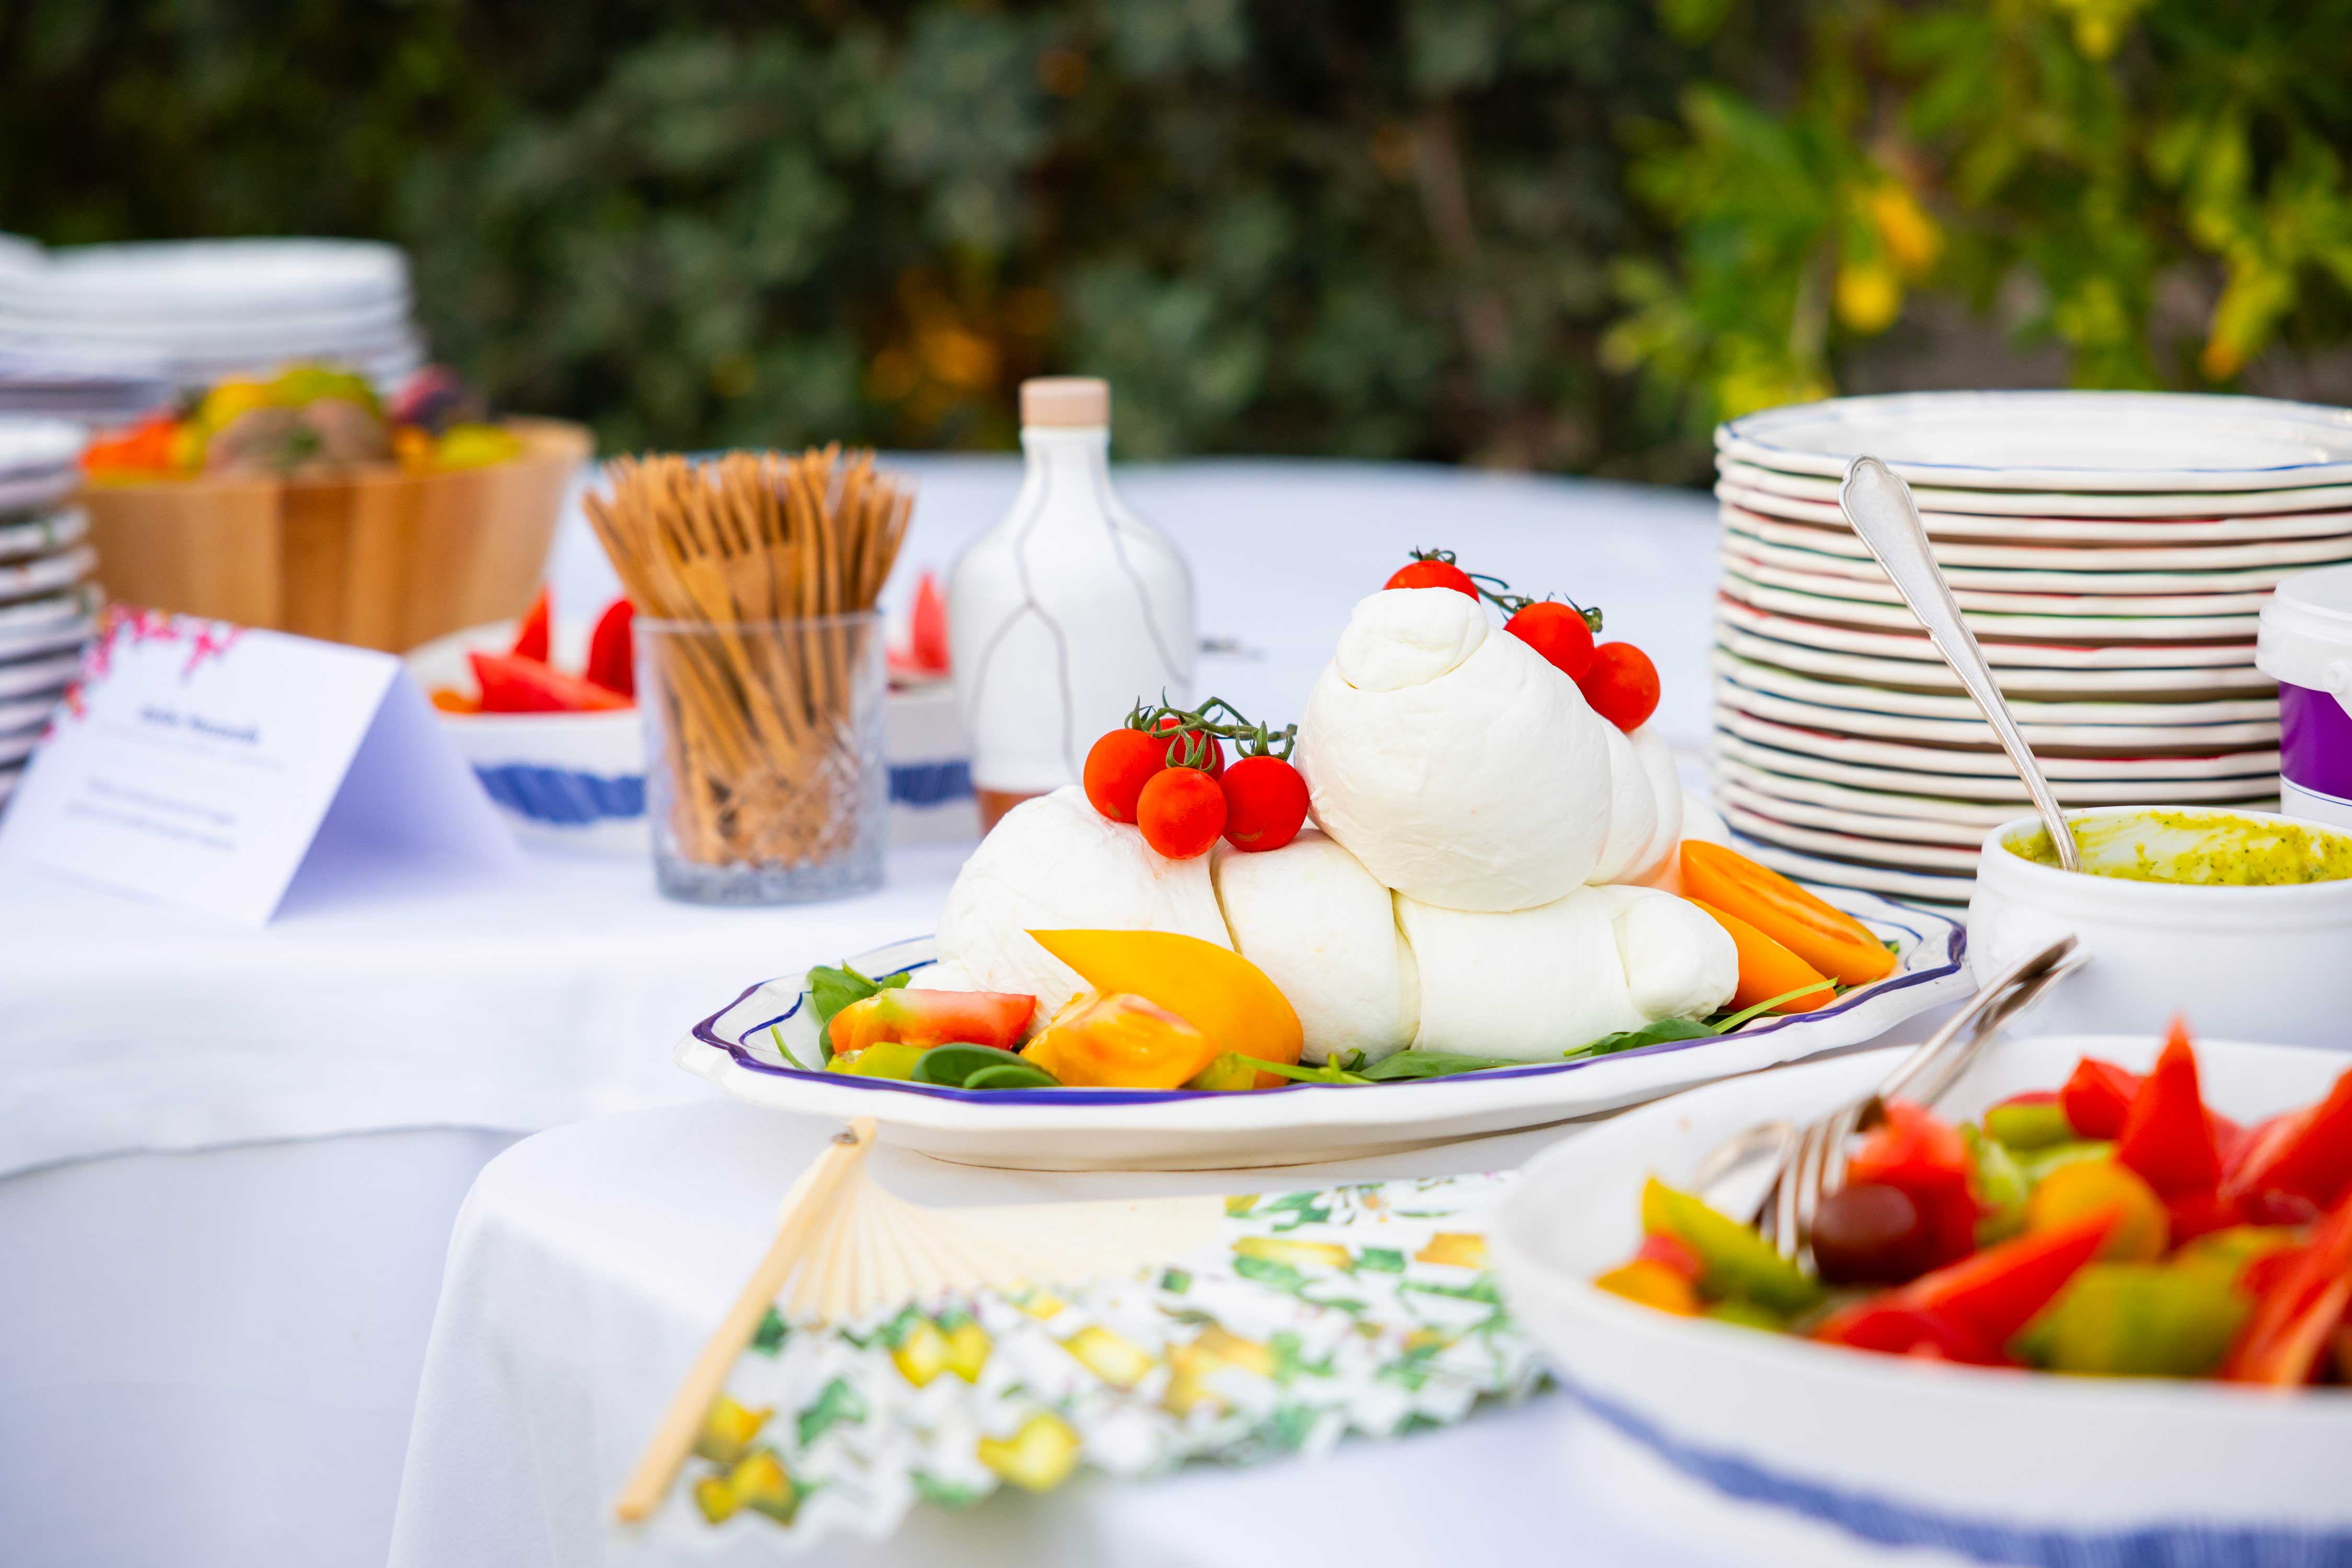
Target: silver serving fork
x=1810, y=1160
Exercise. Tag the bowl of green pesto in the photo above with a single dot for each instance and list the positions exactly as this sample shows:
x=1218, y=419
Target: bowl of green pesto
x=2241, y=920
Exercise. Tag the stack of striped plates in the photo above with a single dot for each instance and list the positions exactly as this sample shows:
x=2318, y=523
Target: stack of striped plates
x=2111, y=550
x=46, y=599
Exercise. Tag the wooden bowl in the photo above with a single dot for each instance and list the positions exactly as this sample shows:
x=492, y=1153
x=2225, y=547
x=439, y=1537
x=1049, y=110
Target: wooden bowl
x=375, y=557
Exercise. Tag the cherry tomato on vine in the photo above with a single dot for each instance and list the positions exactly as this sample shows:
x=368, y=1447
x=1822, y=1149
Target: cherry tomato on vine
x=1558, y=632
x=1118, y=767
x=1621, y=685
x=1265, y=804
x=1172, y=753
x=1181, y=811
x=1432, y=575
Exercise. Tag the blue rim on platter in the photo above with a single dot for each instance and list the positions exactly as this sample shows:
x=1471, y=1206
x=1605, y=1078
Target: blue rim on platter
x=1922, y=926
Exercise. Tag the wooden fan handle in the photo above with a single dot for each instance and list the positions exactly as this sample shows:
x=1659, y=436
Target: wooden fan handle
x=658, y=1468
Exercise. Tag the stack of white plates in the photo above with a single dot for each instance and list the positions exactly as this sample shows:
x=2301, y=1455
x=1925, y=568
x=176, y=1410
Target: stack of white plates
x=46, y=600
x=199, y=310
x=2111, y=550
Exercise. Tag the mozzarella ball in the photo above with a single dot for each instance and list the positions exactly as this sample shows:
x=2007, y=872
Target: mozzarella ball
x=1053, y=864
x=1324, y=932
x=1679, y=964
x=1525, y=985
x=1462, y=769
x=1632, y=810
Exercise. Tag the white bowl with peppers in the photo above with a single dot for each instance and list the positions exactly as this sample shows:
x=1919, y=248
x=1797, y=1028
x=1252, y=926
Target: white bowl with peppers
x=2089, y=1308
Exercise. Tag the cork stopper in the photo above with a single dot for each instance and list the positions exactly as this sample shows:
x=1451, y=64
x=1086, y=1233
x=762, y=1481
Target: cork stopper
x=1066, y=401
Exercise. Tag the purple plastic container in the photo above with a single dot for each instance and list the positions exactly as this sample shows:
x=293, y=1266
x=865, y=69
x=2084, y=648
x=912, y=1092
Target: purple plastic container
x=2306, y=644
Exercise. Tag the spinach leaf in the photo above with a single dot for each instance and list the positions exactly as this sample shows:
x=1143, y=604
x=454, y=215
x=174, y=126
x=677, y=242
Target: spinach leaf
x=831, y=990
x=950, y=1066
x=1012, y=1075
x=1406, y=1065
x=1652, y=1034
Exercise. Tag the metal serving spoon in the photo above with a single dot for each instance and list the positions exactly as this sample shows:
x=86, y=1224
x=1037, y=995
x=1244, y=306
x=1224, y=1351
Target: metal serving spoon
x=1878, y=506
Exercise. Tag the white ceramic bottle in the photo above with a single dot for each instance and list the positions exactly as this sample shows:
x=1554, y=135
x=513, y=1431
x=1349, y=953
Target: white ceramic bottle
x=1066, y=611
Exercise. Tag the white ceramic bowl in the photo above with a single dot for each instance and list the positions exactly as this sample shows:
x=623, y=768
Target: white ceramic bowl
x=576, y=780
x=1997, y=1465
x=2272, y=962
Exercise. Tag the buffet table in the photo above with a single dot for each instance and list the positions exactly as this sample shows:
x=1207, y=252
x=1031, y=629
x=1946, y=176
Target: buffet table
x=231, y=1158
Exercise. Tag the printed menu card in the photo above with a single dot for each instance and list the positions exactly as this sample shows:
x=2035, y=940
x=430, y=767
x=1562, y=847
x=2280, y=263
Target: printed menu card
x=211, y=765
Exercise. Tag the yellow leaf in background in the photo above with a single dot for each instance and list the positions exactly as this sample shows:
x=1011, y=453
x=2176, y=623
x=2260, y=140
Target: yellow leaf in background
x=1869, y=297
x=2099, y=24
x=728, y=1430
x=1750, y=386
x=1913, y=240
x=1116, y=1361
x=1276, y=1249
x=1038, y=1457
x=922, y=1356
x=1463, y=1249
x=968, y=1349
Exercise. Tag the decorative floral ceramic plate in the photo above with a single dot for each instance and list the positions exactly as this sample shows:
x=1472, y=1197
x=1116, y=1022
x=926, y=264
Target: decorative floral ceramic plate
x=746, y=1048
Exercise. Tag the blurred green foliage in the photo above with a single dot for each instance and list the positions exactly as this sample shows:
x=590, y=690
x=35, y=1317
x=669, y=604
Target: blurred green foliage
x=1538, y=232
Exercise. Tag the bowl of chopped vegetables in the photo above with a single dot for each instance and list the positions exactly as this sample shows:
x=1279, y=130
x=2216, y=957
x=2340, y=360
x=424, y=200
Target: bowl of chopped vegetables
x=2090, y=1309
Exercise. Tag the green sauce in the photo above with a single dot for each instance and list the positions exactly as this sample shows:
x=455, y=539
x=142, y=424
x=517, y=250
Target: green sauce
x=2207, y=848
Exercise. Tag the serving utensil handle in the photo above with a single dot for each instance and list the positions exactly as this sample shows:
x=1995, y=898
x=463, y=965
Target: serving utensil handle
x=682, y=1422
x=1878, y=505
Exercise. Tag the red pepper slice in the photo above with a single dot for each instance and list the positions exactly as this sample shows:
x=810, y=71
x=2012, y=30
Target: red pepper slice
x=513, y=684
x=2199, y=1213
x=2298, y=1309
x=1926, y=1160
x=1886, y=1326
x=1997, y=1292
x=2097, y=1097
x=2167, y=1137
x=611, y=649
x=1670, y=1252
x=532, y=640
x=2307, y=1154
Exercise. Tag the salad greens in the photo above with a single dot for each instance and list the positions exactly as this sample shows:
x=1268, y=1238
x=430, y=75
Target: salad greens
x=976, y=1067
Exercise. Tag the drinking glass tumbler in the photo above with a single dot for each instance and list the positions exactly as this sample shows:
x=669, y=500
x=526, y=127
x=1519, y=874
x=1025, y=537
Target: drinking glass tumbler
x=765, y=781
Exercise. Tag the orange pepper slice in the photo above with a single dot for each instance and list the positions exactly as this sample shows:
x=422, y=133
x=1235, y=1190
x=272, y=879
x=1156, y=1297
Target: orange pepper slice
x=1829, y=939
x=1767, y=969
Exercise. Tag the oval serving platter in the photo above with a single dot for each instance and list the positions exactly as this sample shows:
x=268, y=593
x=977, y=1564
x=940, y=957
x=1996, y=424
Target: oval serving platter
x=742, y=1047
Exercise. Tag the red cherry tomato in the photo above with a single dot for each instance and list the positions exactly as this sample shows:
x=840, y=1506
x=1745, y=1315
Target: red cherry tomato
x=1118, y=767
x=1432, y=575
x=1171, y=753
x=1181, y=811
x=1621, y=685
x=1558, y=632
x=1266, y=803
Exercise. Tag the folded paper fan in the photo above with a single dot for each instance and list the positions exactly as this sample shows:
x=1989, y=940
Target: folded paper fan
x=846, y=1245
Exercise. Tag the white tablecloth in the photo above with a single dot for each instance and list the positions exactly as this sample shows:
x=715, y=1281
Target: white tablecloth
x=128, y=1027
x=590, y=1263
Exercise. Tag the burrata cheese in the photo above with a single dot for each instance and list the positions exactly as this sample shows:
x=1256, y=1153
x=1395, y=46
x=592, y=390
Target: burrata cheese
x=1459, y=767
x=1524, y=985
x=1324, y=930
x=1056, y=863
